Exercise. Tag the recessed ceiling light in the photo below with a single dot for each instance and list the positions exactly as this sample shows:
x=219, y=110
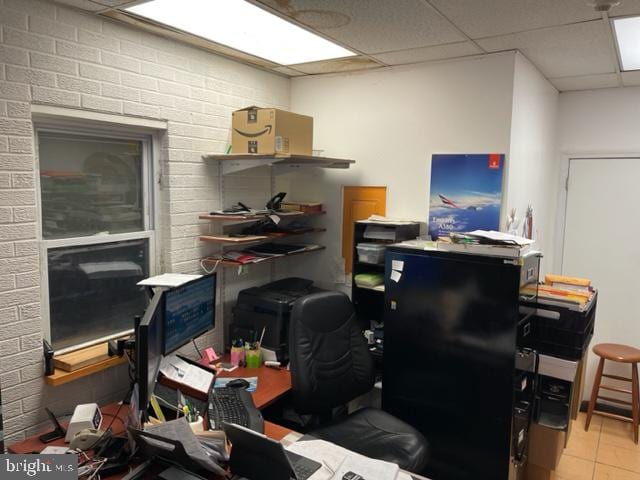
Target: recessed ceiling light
x=242, y=26
x=628, y=36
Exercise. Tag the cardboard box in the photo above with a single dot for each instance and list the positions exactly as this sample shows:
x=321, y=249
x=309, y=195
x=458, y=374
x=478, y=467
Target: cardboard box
x=270, y=131
x=545, y=446
x=534, y=472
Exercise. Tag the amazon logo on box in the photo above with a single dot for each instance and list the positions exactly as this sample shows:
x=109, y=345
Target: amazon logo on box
x=270, y=131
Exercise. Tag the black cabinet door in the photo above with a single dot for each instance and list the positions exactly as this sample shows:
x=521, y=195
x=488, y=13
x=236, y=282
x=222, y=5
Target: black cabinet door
x=450, y=343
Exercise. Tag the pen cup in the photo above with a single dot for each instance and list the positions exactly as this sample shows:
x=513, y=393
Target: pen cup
x=237, y=356
x=252, y=358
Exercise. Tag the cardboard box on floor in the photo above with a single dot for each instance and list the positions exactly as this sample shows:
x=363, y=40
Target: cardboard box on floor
x=271, y=131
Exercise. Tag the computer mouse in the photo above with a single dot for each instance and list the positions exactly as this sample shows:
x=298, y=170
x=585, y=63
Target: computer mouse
x=238, y=383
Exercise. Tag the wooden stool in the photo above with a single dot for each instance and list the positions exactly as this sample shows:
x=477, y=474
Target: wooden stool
x=622, y=354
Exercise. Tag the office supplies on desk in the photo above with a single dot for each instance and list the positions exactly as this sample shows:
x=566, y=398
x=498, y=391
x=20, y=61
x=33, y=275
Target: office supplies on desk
x=234, y=405
x=342, y=461
x=252, y=356
x=209, y=356
x=237, y=352
x=224, y=382
x=86, y=415
x=187, y=375
x=256, y=456
x=176, y=442
x=57, y=432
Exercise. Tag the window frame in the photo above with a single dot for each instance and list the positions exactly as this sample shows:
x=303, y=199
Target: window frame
x=150, y=178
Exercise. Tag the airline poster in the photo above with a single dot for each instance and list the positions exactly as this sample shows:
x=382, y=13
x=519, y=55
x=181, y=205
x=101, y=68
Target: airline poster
x=466, y=192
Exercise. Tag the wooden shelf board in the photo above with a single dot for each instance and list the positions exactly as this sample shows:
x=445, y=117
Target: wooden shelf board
x=254, y=238
x=243, y=161
x=211, y=262
x=61, y=377
x=286, y=216
x=233, y=240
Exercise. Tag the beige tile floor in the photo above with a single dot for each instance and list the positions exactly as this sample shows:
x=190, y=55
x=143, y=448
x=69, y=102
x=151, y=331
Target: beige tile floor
x=605, y=452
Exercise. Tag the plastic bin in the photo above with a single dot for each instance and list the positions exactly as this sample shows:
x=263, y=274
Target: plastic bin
x=371, y=252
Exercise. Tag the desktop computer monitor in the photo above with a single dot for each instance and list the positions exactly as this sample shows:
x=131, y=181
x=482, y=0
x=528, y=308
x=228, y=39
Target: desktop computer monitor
x=149, y=348
x=189, y=311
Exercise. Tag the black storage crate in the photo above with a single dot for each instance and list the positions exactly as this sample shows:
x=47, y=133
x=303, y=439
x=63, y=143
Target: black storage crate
x=567, y=336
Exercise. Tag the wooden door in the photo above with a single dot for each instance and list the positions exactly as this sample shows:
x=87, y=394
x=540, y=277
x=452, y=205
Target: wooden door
x=359, y=203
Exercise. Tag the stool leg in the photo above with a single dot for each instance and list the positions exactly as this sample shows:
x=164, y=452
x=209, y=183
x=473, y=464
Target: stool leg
x=594, y=394
x=635, y=407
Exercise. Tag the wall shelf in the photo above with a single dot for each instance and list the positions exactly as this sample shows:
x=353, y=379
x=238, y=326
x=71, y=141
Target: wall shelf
x=239, y=162
x=242, y=218
x=251, y=239
x=212, y=262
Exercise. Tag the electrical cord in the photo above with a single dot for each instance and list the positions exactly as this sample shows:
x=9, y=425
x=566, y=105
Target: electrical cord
x=110, y=425
x=196, y=347
x=202, y=265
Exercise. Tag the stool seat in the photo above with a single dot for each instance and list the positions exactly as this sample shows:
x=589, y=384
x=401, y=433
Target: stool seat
x=617, y=352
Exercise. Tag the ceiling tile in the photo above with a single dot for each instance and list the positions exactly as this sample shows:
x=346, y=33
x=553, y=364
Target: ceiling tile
x=498, y=17
x=82, y=4
x=371, y=26
x=631, y=79
x=585, y=82
x=571, y=50
x=335, y=66
x=426, y=54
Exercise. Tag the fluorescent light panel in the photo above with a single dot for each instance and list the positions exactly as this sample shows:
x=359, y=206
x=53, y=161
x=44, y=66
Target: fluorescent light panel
x=628, y=36
x=242, y=26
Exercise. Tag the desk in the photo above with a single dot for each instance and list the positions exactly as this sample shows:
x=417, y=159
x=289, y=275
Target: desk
x=272, y=385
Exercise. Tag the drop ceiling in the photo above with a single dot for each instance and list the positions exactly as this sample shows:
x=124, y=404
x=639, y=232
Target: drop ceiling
x=568, y=40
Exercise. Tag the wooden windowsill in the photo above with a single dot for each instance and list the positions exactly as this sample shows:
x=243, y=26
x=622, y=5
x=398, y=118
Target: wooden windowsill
x=60, y=377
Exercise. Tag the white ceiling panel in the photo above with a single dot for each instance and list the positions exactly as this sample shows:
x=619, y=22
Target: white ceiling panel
x=488, y=18
x=631, y=79
x=585, y=82
x=426, y=54
x=333, y=66
x=371, y=26
x=572, y=50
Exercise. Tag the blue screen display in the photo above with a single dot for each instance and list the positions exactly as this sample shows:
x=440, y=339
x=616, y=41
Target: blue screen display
x=189, y=312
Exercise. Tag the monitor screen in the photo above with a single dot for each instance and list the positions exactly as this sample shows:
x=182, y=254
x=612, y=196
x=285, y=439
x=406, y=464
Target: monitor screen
x=149, y=349
x=189, y=311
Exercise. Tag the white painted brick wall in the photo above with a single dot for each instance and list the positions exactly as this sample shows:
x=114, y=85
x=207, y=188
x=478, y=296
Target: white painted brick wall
x=56, y=55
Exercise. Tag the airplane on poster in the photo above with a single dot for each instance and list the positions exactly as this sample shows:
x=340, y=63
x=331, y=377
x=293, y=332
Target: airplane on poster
x=447, y=202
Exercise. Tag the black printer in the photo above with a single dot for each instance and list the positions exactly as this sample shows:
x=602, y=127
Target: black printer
x=269, y=307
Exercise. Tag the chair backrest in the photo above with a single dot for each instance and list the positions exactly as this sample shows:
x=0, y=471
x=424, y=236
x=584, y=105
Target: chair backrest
x=330, y=360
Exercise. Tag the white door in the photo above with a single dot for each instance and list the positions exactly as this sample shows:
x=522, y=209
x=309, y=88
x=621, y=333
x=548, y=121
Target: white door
x=602, y=242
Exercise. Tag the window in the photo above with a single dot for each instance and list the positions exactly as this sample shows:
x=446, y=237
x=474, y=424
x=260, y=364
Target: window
x=97, y=233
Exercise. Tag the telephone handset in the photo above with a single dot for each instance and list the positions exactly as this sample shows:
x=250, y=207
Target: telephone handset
x=276, y=201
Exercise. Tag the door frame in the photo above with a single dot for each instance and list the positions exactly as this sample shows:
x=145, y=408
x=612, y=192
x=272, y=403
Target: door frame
x=563, y=190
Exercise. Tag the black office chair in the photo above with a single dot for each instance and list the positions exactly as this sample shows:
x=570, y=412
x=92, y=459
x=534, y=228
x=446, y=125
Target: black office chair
x=330, y=366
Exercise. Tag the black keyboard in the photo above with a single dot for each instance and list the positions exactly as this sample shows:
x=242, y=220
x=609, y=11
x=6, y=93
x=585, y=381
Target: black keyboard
x=233, y=405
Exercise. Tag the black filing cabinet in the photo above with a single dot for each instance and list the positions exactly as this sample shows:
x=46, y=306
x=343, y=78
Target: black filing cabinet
x=454, y=367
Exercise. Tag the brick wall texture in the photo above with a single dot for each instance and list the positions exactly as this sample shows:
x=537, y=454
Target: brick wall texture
x=56, y=55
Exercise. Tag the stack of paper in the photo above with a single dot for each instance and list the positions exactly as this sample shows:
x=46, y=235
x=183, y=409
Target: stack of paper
x=337, y=461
